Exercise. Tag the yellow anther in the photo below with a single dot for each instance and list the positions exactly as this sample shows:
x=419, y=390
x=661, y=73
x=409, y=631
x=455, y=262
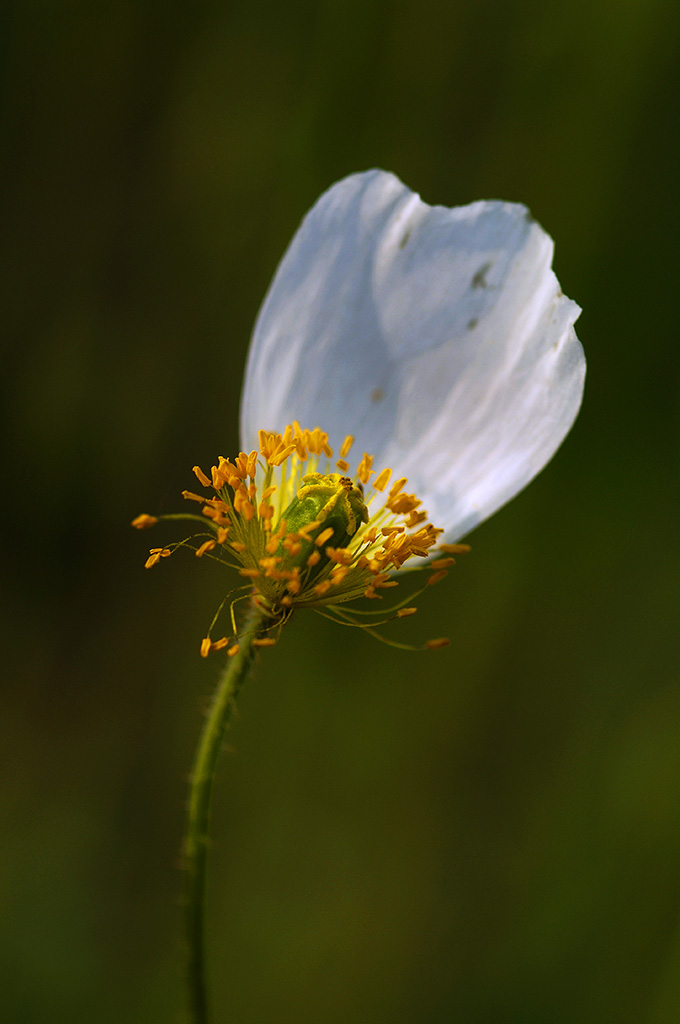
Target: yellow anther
x=218, y=515
x=219, y=479
x=402, y=504
x=454, y=549
x=364, y=471
x=346, y=445
x=206, y=644
x=442, y=563
x=201, y=477
x=233, y=651
x=342, y=465
x=238, y=546
x=207, y=545
x=143, y=522
x=404, y=612
x=308, y=528
x=415, y=519
x=322, y=588
x=324, y=536
x=382, y=479
x=222, y=534
x=251, y=465
x=152, y=560
x=250, y=574
x=341, y=556
x=292, y=545
x=314, y=559
x=263, y=641
x=436, y=577
x=397, y=486
x=441, y=641
x=280, y=455
x=219, y=645
x=190, y=496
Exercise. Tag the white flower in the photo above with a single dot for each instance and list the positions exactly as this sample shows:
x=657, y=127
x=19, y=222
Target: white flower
x=437, y=343
x=438, y=337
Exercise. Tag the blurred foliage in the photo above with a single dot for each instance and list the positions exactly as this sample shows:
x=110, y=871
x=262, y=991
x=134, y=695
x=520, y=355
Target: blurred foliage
x=486, y=834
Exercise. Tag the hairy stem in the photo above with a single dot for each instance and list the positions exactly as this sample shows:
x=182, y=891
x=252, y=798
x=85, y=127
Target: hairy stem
x=198, y=818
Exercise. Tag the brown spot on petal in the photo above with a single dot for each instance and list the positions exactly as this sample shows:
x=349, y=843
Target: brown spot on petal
x=479, y=279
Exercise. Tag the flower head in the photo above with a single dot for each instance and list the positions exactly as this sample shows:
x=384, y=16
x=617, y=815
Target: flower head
x=439, y=337
x=435, y=339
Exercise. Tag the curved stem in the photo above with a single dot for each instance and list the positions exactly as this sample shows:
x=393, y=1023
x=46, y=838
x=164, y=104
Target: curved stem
x=198, y=818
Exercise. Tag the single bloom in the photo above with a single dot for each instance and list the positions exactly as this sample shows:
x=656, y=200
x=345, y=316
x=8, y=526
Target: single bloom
x=435, y=343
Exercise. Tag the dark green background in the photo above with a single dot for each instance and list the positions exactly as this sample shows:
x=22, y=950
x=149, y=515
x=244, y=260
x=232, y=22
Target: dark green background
x=488, y=834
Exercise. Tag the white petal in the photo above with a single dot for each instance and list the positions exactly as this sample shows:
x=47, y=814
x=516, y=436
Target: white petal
x=438, y=337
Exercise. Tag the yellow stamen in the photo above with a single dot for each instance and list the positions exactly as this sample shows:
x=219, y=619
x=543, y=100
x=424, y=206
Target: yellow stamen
x=251, y=465
x=305, y=530
x=454, y=549
x=342, y=556
x=264, y=641
x=346, y=445
x=434, y=645
x=207, y=545
x=342, y=465
x=201, y=477
x=382, y=479
x=436, y=577
x=206, y=644
x=404, y=612
x=442, y=563
x=364, y=471
x=276, y=458
x=232, y=651
x=143, y=522
x=324, y=536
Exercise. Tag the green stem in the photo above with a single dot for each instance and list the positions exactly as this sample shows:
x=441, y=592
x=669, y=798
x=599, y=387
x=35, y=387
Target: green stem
x=198, y=819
